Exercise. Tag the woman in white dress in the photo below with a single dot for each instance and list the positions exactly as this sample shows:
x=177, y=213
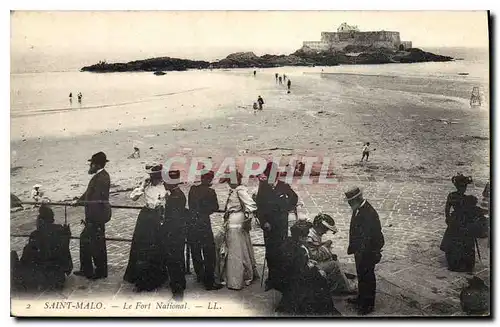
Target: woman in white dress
x=239, y=268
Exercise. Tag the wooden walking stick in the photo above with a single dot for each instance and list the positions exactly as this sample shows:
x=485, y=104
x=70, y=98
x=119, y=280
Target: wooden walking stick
x=188, y=259
x=262, y=275
x=477, y=248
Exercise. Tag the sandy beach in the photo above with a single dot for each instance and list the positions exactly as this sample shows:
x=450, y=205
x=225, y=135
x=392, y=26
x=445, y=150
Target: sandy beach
x=420, y=127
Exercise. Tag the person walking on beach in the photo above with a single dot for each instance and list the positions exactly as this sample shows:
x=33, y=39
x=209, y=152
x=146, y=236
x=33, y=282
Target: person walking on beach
x=97, y=214
x=173, y=233
x=254, y=73
x=203, y=202
x=365, y=242
x=260, y=101
x=280, y=80
x=276, y=76
x=70, y=97
x=289, y=84
x=145, y=267
x=284, y=77
x=80, y=97
x=366, y=151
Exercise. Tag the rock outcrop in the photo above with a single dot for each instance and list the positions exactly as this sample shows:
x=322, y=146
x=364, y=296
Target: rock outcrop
x=148, y=65
x=351, y=55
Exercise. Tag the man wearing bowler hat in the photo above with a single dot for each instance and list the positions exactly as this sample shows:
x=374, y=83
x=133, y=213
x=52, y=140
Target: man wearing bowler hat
x=173, y=231
x=93, y=254
x=365, y=242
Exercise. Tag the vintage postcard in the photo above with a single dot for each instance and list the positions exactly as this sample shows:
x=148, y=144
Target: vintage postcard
x=250, y=163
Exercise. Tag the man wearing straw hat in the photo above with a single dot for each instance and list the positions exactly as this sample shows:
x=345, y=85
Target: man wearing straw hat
x=97, y=214
x=365, y=242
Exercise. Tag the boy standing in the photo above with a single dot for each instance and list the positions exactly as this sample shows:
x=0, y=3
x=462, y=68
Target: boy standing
x=366, y=151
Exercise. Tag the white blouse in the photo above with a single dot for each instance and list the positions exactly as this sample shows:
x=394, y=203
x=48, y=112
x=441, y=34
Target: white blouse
x=239, y=196
x=154, y=195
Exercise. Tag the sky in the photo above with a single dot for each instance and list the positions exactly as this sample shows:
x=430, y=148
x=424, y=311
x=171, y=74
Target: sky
x=212, y=35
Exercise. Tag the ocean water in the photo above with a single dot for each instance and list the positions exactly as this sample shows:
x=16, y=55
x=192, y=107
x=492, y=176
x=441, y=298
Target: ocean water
x=44, y=92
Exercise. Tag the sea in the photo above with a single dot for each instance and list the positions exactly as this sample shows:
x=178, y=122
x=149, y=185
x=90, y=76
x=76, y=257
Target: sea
x=41, y=85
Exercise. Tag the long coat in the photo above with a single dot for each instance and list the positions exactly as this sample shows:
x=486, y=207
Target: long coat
x=202, y=203
x=365, y=232
x=96, y=199
x=176, y=214
x=273, y=205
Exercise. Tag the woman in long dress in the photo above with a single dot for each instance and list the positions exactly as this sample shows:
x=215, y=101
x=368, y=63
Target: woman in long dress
x=145, y=267
x=239, y=266
x=458, y=239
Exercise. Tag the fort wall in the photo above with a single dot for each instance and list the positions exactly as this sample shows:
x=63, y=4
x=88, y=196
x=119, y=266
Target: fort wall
x=379, y=39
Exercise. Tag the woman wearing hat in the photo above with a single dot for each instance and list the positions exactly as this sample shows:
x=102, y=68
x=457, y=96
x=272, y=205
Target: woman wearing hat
x=458, y=239
x=239, y=265
x=145, y=268
x=321, y=252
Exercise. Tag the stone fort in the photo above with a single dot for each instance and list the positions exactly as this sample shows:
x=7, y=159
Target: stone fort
x=351, y=35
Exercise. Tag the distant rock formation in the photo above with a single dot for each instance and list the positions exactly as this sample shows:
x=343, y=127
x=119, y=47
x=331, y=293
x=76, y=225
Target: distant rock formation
x=148, y=65
x=350, y=55
x=249, y=59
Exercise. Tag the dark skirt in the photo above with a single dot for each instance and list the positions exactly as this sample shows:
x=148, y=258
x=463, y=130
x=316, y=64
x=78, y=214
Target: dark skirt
x=29, y=276
x=460, y=250
x=307, y=294
x=146, y=268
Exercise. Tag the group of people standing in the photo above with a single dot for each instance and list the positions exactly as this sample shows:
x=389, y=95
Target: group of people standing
x=280, y=80
x=302, y=264
x=79, y=96
x=164, y=225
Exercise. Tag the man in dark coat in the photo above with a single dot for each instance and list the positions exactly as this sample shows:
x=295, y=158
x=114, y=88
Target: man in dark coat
x=260, y=101
x=97, y=214
x=365, y=242
x=274, y=199
x=46, y=258
x=173, y=230
x=202, y=203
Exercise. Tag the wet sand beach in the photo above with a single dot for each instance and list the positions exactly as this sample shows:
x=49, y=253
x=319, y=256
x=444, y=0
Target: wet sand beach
x=420, y=127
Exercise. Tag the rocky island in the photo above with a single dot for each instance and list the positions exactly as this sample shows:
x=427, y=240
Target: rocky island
x=347, y=46
x=301, y=57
